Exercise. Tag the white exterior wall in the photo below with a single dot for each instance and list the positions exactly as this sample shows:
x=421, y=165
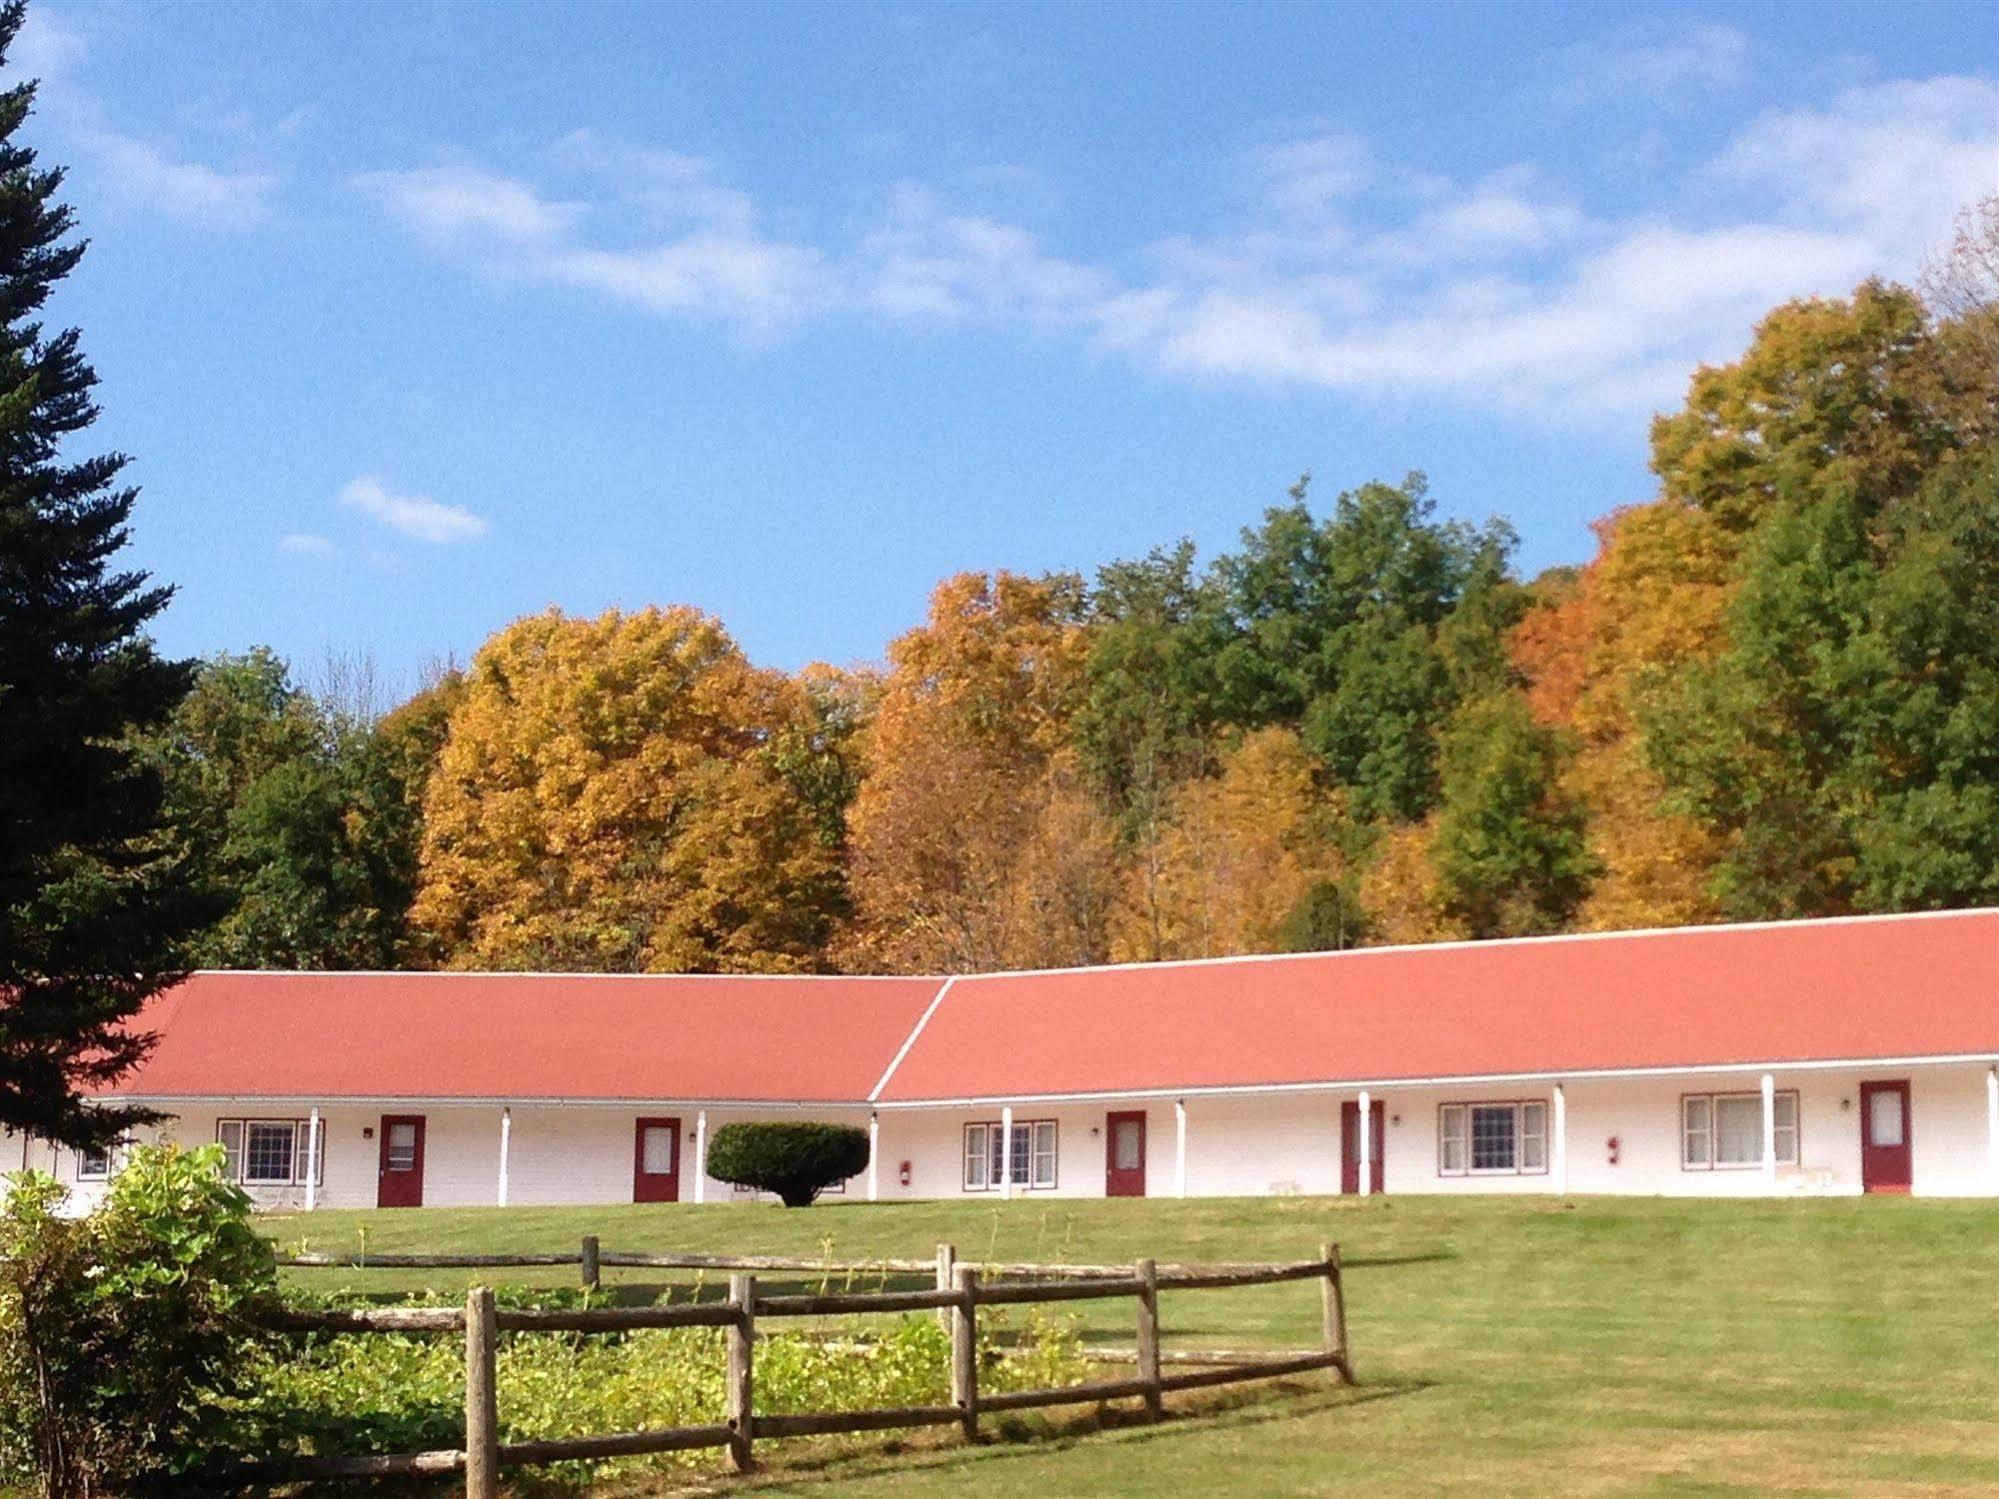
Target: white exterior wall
x=1249, y=1145
x=1237, y=1145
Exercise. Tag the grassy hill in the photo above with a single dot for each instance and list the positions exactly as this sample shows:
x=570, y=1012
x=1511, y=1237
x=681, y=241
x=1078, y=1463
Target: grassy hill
x=1505, y=1347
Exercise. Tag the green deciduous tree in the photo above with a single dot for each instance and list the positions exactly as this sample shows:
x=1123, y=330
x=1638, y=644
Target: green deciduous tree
x=301, y=819
x=1365, y=630
x=1509, y=847
x=1847, y=743
x=89, y=911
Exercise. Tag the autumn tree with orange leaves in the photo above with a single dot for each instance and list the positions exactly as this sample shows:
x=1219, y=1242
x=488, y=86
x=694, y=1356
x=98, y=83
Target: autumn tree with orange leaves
x=625, y=794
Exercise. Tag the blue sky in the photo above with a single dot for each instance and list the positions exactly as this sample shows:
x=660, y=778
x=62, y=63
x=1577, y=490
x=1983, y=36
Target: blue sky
x=418, y=318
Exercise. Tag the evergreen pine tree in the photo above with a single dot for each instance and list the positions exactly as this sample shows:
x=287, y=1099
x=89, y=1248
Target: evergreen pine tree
x=89, y=921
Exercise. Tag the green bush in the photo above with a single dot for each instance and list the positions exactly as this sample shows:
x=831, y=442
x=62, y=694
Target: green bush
x=373, y=1393
x=796, y=1161
x=127, y=1336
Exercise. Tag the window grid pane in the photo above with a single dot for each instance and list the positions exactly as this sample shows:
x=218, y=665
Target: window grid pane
x=1494, y=1128
x=267, y=1152
x=1696, y=1139
x=1044, y=1154
x=230, y=1133
x=1452, y=1134
x=1533, y=1137
x=1738, y=1120
x=975, y=1157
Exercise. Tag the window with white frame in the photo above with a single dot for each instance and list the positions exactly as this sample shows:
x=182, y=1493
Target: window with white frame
x=271, y=1152
x=1724, y=1131
x=93, y=1164
x=1493, y=1139
x=1033, y=1155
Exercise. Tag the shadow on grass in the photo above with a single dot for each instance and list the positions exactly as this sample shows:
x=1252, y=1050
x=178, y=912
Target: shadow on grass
x=1010, y=1438
x=1004, y=1438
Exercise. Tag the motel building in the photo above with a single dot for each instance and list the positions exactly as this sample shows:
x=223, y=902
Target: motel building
x=1812, y=1057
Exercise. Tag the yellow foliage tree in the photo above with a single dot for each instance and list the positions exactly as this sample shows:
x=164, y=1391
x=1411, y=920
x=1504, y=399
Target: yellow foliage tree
x=1650, y=601
x=613, y=794
x=1239, y=852
x=1402, y=892
x=969, y=818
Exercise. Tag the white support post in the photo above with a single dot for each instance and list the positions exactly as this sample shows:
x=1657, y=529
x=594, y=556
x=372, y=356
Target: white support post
x=1006, y=1153
x=874, y=1157
x=701, y=1157
x=312, y=1160
x=1769, y=1131
x=1179, y=1147
x=1560, y=1144
x=506, y=1146
x=1366, y=1144
x=1992, y=1125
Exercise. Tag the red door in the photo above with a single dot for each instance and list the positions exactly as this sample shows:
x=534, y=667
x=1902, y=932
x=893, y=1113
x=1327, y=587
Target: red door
x=1350, y=1146
x=401, y=1182
x=1885, y=1158
x=656, y=1161
x=1124, y=1154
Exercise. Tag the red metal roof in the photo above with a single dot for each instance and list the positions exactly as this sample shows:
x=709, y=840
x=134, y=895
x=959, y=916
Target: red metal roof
x=523, y=1036
x=1858, y=989
x=1903, y=986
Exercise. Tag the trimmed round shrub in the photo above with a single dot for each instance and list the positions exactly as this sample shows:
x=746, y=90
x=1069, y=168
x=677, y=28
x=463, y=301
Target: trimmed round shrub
x=796, y=1161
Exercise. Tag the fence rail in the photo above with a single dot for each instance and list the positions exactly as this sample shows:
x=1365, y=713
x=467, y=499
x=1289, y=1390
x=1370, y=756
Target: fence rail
x=961, y=1290
x=591, y=1260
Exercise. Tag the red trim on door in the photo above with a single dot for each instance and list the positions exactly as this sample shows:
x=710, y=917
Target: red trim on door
x=655, y=1186
x=1126, y=1181
x=401, y=1185
x=1887, y=1157
x=1350, y=1144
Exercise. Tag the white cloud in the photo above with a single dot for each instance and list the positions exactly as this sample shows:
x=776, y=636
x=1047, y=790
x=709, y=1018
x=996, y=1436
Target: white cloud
x=1893, y=161
x=452, y=203
x=44, y=47
x=928, y=262
x=180, y=189
x=1503, y=293
x=1305, y=177
x=306, y=544
x=1663, y=61
x=1498, y=218
x=763, y=285
x=416, y=516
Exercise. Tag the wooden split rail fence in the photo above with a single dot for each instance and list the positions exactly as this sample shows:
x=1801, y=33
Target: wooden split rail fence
x=961, y=1290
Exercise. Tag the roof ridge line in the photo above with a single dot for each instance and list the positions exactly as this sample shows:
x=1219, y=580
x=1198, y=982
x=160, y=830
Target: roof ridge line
x=910, y=1040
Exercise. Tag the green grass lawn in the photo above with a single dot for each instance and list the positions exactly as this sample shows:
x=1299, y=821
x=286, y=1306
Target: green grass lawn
x=1504, y=1347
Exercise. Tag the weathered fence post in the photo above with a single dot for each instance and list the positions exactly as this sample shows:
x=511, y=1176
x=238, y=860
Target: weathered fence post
x=965, y=1349
x=482, y=1397
x=1148, y=1339
x=1333, y=1309
x=592, y=1274
x=742, y=1338
x=947, y=1260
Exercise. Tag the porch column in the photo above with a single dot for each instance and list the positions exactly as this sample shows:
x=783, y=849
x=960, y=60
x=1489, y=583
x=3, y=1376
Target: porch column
x=506, y=1145
x=312, y=1159
x=1769, y=1131
x=1179, y=1147
x=1006, y=1153
x=1992, y=1125
x=1560, y=1144
x=1366, y=1145
x=701, y=1156
x=874, y=1157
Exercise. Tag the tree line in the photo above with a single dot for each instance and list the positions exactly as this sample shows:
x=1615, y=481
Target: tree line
x=1773, y=692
